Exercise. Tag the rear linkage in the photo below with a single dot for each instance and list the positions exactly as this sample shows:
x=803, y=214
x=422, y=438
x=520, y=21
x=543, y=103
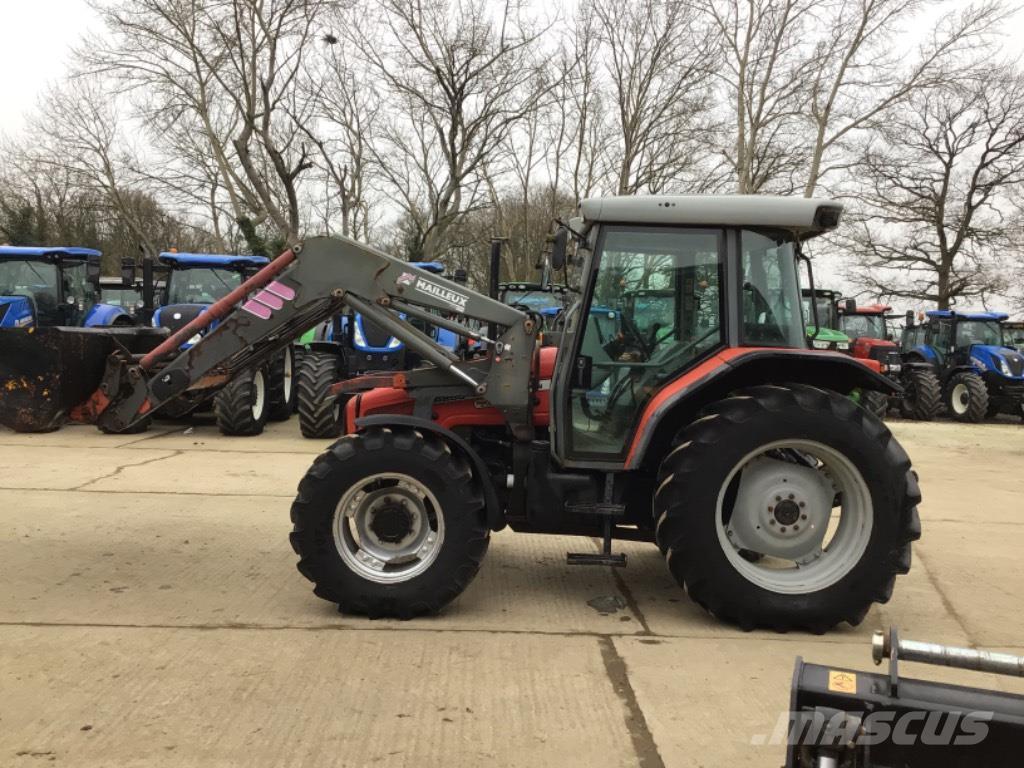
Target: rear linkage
x=303, y=287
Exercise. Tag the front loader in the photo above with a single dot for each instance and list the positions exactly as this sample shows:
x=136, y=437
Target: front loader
x=777, y=501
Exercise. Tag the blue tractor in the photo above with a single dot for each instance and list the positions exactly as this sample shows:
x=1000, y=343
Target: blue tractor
x=981, y=374
x=54, y=286
x=349, y=345
x=193, y=282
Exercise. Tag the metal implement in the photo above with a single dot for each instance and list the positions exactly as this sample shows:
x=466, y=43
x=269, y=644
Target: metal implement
x=883, y=645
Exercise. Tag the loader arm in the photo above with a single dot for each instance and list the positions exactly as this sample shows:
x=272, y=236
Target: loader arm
x=303, y=287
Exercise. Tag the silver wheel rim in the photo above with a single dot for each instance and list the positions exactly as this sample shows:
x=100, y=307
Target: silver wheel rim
x=259, y=394
x=288, y=372
x=960, y=399
x=783, y=511
x=367, y=537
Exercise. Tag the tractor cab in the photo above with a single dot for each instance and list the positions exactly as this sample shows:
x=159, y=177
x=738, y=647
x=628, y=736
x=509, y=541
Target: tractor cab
x=980, y=370
x=53, y=286
x=194, y=281
x=549, y=300
x=867, y=326
x=827, y=334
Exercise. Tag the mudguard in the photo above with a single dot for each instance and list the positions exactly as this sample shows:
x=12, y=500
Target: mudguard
x=16, y=312
x=495, y=517
x=102, y=315
x=680, y=401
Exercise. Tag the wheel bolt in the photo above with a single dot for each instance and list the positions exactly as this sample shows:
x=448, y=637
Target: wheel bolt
x=778, y=498
x=803, y=503
x=783, y=529
x=796, y=527
x=791, y=497
x=771, y=509
x=771, y=522
x=803, y=517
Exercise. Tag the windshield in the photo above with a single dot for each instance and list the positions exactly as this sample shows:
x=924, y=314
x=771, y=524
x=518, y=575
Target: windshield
x=771, y=291
x=864, y=326
x=970, y=332
x=120, y=297
x=535, y=299
x=826, y=312
x=35, y=279
x=201, y=285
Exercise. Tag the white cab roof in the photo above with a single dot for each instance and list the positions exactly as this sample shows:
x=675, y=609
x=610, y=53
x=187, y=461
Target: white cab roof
x=799, y=214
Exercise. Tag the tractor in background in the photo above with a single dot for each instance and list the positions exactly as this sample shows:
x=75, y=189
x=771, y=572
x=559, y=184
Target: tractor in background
x=867, y=326
x=54, y=286
x=345, y=346
x=193, y=282
x=981, y=374
x=826, y=334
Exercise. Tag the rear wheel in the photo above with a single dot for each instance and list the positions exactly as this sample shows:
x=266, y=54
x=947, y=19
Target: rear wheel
x=389, y=523
x=241, y=406
x=922, y=395
x=876, y=403
x=787, y=508
x=320, y=415
x=967, y=397
x=281, y=384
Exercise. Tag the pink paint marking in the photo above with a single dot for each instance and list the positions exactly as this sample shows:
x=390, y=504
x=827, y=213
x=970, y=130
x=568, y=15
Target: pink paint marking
x=282, y=290
x=255, y=308
x=268, y=299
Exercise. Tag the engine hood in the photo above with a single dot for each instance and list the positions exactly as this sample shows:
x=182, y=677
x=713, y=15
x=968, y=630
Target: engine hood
x=15, y=312
x=993, y=358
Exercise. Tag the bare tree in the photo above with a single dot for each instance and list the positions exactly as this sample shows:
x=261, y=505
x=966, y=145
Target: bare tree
x=860, y=71
x=659, y=61
x=933, y=198
x=460, y=75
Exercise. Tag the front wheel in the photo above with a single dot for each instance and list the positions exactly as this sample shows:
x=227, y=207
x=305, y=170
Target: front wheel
x=320, y=415
x=967, y=397
x=281, y=385
x=241, y=406
x=389, y=523
x=812, y=485
x=922, y=394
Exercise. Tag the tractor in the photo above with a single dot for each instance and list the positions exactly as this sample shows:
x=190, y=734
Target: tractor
x=981, y=374
x=872, y=339
x=822, y=320
x=193, y=282
x=777, y=501
x=348, y=345
x=52, y=286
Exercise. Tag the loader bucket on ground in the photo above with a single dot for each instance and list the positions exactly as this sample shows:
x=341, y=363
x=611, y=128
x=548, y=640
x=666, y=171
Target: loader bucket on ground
x=44, y=372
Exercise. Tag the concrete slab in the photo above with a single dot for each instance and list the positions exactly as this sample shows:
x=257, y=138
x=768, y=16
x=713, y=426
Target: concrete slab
x=201, y=434
x=133, y=697
x=162, y=560
x=80, y=436
x=718, y=701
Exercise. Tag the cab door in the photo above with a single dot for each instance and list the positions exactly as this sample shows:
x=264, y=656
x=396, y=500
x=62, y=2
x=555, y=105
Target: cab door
x=651, y=310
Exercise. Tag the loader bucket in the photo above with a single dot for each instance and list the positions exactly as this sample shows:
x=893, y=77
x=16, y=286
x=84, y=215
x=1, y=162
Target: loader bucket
x=45, y=372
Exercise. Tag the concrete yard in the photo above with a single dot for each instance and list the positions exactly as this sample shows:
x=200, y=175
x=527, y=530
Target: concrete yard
x=151, y=615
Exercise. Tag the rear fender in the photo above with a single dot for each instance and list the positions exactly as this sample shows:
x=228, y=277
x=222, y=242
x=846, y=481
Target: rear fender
x=102, y=315
x=680, y=402
x=495, y=516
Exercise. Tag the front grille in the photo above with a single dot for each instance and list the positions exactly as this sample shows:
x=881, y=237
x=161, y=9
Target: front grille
x=186, y=313
x=374, y=334
x=1016, y=363
x=880, y=352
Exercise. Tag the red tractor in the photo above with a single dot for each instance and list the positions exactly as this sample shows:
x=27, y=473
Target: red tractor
x=872, y=340
x=704, y=425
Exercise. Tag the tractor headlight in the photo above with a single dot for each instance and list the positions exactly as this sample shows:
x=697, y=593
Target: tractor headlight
x=820, y=344
x=978, y=363
x=1004, y=367
x=357, y=333
x=842, y=345
x=395, y=343
x=195, y=339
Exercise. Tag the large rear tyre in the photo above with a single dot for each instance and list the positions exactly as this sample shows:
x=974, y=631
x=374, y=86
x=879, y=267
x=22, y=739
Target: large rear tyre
x=967, y=397
x=241, y=406
x=813, y=486
x=922, y=395
x=320, y=415
x=389, y=523
x=874, y=402
x=281, y=386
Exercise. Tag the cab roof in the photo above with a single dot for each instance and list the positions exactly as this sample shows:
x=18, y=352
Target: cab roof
x=44, y=252
x=871, y=309
x=430, y=266
x=952, y=313
x=212, y=260
x=805, y=216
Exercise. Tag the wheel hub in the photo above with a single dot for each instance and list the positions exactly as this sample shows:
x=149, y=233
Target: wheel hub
x=392, y=522
x=782, y=509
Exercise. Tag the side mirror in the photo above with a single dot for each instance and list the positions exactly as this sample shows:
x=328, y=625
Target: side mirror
x=910, y=318
x=559, y=246
x=460, y=276
x=849, y=306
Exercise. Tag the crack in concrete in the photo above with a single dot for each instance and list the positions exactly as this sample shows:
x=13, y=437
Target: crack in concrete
x=120, y=468
x=947, y=604
x=636, y=724
x=627, y=593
